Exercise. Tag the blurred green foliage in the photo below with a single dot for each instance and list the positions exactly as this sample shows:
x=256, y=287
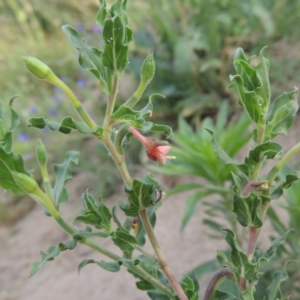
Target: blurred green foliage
x=194, y=42
x=196, y=157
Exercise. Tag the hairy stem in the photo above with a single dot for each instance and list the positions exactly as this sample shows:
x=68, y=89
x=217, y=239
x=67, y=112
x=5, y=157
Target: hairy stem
x=215, y=282
x=118, y=159
x=162, y=261
x=76, y=103
x=137, y=95
x=47, y=182
x=111, y=105
x=253, y=235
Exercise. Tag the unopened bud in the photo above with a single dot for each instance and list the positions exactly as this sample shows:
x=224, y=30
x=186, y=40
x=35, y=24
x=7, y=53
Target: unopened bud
x=41, y=153
x=37, y=67
x=258, y=186
x=148, y=69
x=135, y=225
x=25, y=182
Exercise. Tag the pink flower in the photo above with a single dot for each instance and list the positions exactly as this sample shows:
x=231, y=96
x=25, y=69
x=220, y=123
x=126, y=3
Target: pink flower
x=156, y=150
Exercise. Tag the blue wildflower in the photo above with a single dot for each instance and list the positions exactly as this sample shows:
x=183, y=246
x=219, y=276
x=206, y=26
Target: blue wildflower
x=52, y=112
x=79, y=26
x=81, y=82
x=96, y=28
x=23, y=137
x=32, y=109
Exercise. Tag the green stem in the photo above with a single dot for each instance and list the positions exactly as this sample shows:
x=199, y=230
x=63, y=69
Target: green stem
x=111, y=105
x=162, y=261
x=261, y=130
x=76, y=103
x=47, y=182
x=137, y=95
x=99, y=249
x=68, y=228
x=118, y=159
x=215, y=282
x=150, y=256
x=284, y=160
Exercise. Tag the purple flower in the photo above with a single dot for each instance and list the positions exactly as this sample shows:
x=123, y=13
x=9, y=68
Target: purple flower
x=96, y=28
x=32, y=109
x=79, y=26
x=46, y=129
x=63, y=78
x=23, y=137
x=52, y=112
x=55, y=98
x=81, y=82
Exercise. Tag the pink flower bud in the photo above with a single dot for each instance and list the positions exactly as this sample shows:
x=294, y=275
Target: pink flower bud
x=156, y=150
x=135, y=225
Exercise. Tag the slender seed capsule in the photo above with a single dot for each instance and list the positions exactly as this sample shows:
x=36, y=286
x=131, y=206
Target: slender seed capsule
x=37, y=67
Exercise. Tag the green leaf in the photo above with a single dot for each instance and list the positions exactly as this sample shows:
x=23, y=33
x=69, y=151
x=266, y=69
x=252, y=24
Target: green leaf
x=15, y=121
x=96, y=213
x=90, y=58
x=108, y=266
x=113, y=266
x=282, y=113
x=243, y=268
x=154, y=295
x=247, y=74
x=273, y=289
x=62, y=175
x=122, y=238
x=190, y=208
x=149, y=126
x=190, y=286
x=65, y=126
x=249, y=99
x=225, y=158
x=128, y=115
x=10, y=162
x=267, y=255
x=246, y=208
x=140, y=235
x=290, y=179
x=141, y=195
x=87, y=233
x=51, y=253
x=6, y=133
x=262, y=72
x=147, y=110
x=116, y=50
x=204, y=268
x=268, y=149
x=102, y=13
